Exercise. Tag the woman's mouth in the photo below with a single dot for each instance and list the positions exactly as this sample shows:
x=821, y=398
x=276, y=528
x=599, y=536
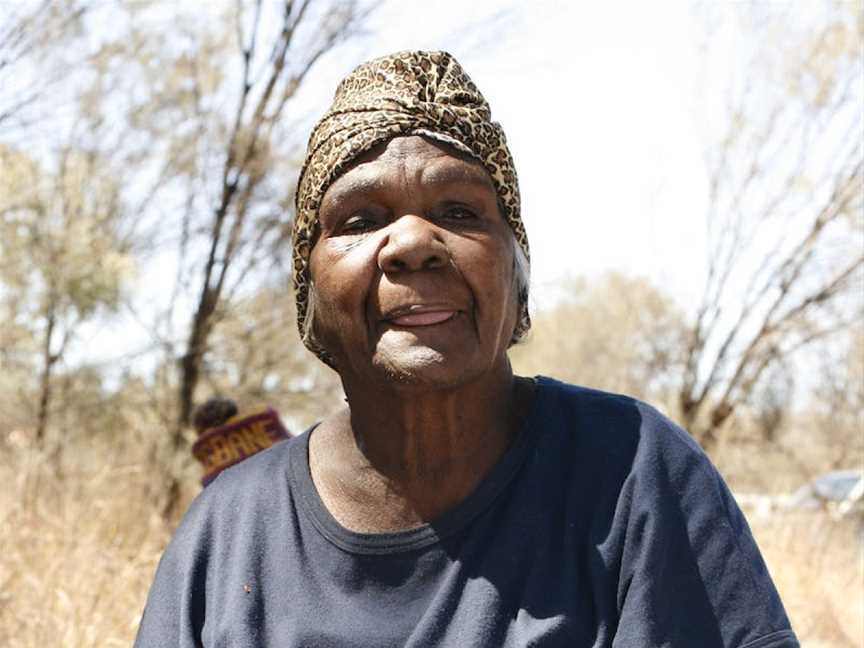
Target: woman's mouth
x=422, y=318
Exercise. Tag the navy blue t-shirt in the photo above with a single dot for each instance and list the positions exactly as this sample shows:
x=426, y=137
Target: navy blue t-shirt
x=604, y=525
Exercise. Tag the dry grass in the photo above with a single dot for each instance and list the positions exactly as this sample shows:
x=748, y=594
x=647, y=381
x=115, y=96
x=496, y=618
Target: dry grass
x=79, y=551
x=818, y=566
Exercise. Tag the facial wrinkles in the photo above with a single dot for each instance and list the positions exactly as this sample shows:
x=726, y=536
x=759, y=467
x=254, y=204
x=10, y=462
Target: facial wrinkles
x=358, y=181
x=462, y=174
x=408, y=171
x=344, y=245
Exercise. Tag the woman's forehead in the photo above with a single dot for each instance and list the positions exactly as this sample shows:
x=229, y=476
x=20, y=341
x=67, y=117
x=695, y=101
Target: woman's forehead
x=408, y=158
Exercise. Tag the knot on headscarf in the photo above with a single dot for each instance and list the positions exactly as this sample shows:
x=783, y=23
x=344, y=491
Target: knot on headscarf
x=408, y=93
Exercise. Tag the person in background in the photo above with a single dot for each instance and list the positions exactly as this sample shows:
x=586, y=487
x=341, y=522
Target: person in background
x=226, y=438
x=451, y=503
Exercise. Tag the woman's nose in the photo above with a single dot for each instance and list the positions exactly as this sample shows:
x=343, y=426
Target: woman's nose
x=412, y=244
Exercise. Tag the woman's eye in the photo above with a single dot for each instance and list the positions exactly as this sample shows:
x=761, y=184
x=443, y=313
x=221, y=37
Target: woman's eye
x=459, y=213
x=357, y=224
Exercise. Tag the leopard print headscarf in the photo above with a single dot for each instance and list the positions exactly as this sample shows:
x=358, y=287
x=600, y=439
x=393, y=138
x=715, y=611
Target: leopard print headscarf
x=408, y=93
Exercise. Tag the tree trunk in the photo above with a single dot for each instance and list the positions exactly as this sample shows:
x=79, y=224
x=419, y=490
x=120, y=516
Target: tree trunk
x=190, y=372
x=48, y=361
x=190, y=363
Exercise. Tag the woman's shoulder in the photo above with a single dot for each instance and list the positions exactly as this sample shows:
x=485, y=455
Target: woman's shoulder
x=261, y=469
x=607, y=422
x=630, y=453
x=261, y=481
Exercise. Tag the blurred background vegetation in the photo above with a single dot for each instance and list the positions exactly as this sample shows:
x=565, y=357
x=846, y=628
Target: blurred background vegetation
x=162, y=139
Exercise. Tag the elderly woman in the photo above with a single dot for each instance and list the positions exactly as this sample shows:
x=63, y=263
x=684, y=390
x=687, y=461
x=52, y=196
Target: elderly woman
x=450, y=503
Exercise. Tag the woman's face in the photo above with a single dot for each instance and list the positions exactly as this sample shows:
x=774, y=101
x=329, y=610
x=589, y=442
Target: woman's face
x=412, y=271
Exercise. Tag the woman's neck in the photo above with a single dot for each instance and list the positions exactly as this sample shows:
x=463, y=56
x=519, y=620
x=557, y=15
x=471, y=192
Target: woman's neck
x=396, y=459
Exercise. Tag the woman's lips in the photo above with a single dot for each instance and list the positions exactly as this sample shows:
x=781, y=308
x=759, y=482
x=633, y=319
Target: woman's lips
x=424, y=318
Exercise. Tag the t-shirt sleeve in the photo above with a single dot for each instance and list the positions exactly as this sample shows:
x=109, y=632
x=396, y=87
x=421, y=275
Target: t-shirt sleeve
x=690, y=572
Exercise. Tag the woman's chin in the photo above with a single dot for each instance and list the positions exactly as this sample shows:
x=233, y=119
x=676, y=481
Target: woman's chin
x=418, y=365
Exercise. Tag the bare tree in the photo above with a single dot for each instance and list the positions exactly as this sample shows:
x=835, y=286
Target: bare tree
x=785, y=223
x=190, y=106
x=62, y=260
x=263, y=96
x=206, y=126
x=29, y=34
